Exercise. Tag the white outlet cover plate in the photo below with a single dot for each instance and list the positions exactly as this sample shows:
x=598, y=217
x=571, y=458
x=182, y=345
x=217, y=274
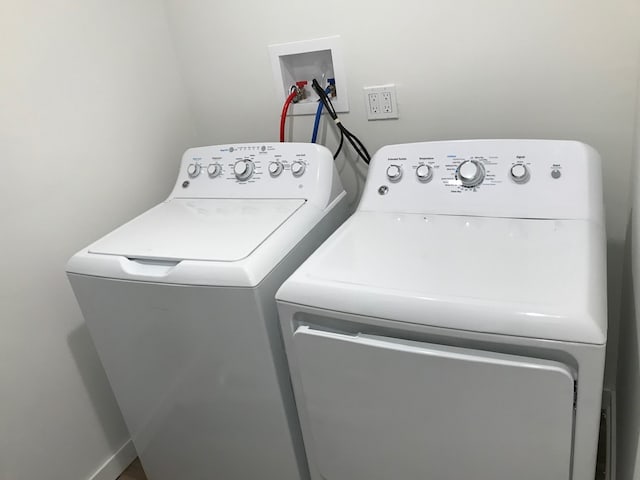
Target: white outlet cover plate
x=380, y=102
x=320, y=58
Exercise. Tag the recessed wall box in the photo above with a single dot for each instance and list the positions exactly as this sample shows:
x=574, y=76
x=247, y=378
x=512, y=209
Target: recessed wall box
x=305, y=60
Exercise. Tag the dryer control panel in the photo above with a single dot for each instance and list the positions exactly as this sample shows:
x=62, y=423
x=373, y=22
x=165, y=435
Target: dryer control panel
x=494, y=178
x=258, y=170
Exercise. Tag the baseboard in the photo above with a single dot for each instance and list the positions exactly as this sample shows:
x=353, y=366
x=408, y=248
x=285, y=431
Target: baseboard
x=117, y=464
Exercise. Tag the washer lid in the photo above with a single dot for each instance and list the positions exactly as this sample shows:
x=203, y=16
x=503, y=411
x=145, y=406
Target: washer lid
x=223, y=230
x=523, y=277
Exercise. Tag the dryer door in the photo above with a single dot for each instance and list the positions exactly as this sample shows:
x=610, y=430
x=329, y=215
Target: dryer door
x=383, y=408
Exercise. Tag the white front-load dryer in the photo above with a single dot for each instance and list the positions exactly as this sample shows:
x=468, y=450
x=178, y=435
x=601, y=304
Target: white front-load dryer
x=454, y=327
x=180, y=305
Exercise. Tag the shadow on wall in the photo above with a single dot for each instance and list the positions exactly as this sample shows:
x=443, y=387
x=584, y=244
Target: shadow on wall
x=628, y=377
x=96, y=383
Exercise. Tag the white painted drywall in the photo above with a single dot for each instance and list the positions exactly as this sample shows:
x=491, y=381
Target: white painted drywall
x=93, y=120
x=628, y=378
x=463, y=69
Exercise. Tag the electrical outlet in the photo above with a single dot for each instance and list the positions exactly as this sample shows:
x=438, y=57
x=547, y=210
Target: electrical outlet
x=381, y=102
x=387, y=106
x=374, y=103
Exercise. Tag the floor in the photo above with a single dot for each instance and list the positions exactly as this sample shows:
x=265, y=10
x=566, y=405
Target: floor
x=133, y=472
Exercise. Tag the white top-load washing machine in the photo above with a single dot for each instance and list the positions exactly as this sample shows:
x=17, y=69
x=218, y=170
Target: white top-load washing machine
x=454, y=327
x=180, y=304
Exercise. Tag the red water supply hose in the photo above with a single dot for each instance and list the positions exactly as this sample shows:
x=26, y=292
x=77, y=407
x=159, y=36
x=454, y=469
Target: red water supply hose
x=285, y=108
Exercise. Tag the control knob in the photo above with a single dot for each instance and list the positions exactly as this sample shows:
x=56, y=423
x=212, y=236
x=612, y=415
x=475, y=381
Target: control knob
x=297, y=168
x=275, y=169
x=214, y=169
x=243, y=169
x=520, y=173
x=424, y=173
x=394, y=173
x=193, y=170
x=470, y=173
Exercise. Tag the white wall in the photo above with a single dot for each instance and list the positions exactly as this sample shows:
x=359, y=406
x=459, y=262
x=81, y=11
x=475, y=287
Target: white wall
x=93, y=119
x=463, y=69
x=628, y=379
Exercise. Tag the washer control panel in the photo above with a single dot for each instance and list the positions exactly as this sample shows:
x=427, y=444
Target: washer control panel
x=507, y=178
x=257, y=170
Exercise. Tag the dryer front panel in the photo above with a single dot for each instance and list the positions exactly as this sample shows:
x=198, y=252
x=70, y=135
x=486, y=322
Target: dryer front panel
x=381, y=408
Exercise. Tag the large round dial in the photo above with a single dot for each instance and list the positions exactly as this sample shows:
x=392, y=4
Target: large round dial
x=424, y=173
x=470, y=173
x=193, y=170
x=243, y=169
x=520, y=173
x=297, y=168
x=394, y=173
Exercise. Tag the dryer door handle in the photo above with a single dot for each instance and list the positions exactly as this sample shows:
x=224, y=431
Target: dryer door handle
x=438, y=350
